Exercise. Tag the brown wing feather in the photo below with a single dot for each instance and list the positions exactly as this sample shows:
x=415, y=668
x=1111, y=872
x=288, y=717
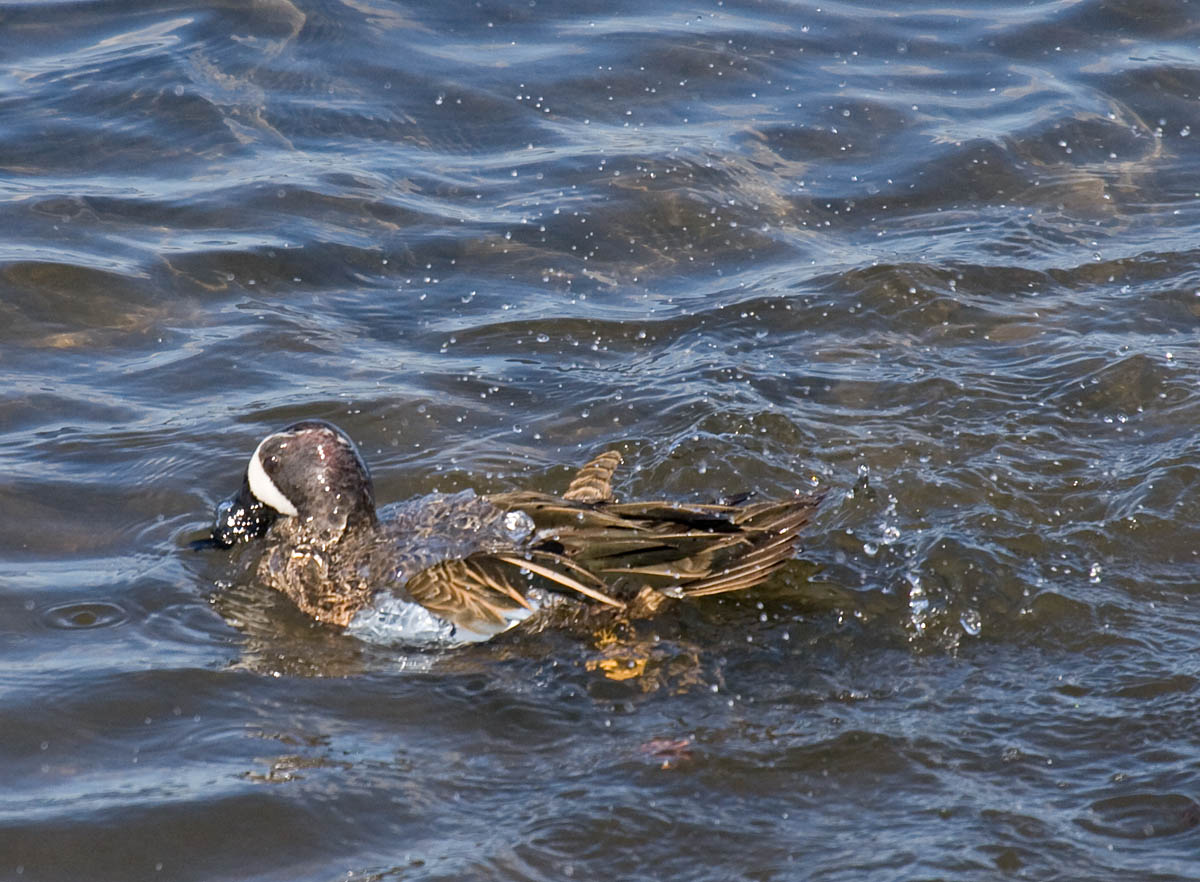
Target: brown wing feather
x=477, y=592
x=562, y=579
x=694, y=549
x=767, y=536
x=472, y=593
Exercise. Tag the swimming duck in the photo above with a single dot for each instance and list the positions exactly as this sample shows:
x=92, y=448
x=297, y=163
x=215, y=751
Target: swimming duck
x=455, y=568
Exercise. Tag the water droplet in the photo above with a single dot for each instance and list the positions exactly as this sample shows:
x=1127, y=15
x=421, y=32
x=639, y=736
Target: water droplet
x=518, y=525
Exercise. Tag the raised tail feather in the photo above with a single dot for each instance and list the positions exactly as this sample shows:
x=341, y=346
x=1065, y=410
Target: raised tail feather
x=593, y=482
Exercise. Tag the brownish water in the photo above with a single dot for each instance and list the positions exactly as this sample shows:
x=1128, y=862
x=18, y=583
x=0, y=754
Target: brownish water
x=941, y=260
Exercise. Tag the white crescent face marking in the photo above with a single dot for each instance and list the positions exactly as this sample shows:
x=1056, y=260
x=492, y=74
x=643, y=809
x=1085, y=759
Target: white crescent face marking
x=264, y=488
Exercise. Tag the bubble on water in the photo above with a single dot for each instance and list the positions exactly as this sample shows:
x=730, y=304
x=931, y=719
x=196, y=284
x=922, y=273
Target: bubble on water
x=870, y=549
x=1094, y=573
x=543, y=338
x=84, y=615
x=971, y=622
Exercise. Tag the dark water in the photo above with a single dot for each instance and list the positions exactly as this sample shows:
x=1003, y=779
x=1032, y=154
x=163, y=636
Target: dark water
x=942, y=260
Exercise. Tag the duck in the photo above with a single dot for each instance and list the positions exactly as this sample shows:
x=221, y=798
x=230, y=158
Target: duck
x=447, y=569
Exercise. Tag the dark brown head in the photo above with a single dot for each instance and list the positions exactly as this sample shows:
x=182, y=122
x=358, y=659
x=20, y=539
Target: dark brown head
x=310, y=471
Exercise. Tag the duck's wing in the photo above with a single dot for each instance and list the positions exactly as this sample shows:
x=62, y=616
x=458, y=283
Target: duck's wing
x=485, y=593
x=709, y=549
x=593, y=482
x=683, y=548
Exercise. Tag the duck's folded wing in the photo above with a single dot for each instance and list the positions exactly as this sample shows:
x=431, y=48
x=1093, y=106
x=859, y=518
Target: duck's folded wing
x=471, y=593
x=485, y=593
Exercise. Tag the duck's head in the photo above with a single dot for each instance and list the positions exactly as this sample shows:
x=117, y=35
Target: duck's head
x=310, y=471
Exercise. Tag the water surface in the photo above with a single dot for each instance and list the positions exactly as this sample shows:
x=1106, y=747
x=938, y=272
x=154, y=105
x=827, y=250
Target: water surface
x=940, y=260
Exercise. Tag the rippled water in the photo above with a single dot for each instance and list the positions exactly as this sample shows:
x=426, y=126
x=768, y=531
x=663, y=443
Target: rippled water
x=940, y=260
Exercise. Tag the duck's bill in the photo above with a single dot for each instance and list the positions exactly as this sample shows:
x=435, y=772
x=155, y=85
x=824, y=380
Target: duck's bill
x=240, y=518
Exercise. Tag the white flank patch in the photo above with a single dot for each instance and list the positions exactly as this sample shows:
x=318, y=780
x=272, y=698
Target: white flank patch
x=264, y=488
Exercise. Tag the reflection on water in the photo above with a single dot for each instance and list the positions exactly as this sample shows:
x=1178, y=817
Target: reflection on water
x=939, y=259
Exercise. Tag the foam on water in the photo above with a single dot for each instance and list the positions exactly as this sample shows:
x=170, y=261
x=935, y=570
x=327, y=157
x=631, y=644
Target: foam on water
x=393, y=621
